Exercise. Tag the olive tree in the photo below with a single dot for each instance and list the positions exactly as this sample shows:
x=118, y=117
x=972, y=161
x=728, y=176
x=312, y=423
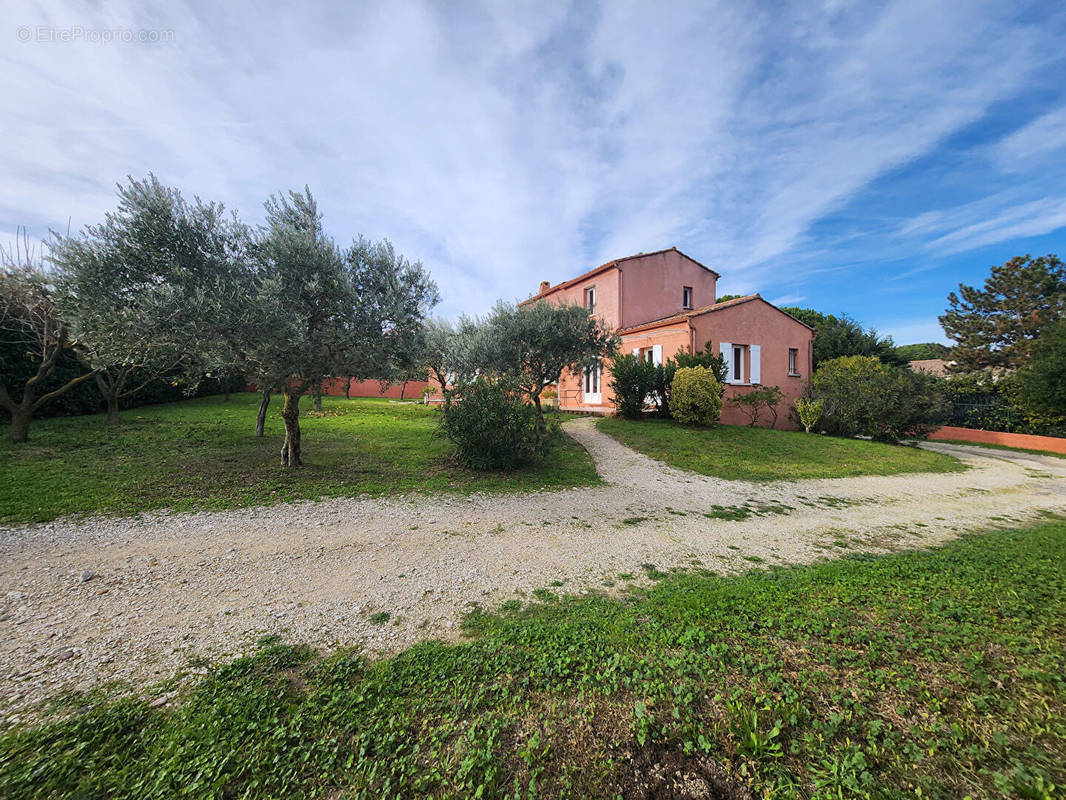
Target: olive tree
x=386, y=331
x=150, y=291
x=324, y=311
x=33, y=335
x=535, y=342
x=450, y=352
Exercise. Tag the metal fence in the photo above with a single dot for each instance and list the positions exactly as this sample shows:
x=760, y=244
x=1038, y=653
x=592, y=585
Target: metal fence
x=998, y=417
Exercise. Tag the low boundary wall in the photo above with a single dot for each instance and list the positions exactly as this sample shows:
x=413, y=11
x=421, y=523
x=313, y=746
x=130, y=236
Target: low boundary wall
x=1024, y=441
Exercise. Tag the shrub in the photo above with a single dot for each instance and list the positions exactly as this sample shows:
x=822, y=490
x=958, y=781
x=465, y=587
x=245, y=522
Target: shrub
x=493, y=427
x=862, y=396
x=809, y=412
x=751, y=403
x=632, y=380
x=1042, y=383
x=696, y=396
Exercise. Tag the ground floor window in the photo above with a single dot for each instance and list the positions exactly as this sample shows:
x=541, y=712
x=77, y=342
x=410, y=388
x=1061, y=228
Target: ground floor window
x=592, y=380
x=793, y=356
x=737, y=365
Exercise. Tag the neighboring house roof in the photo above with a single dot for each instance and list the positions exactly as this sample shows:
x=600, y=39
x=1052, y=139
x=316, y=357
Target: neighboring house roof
x=708, y=309
x=934, y=366
x=611, y=265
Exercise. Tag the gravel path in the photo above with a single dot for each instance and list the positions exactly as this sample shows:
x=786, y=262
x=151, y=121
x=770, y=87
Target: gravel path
x=136, y=600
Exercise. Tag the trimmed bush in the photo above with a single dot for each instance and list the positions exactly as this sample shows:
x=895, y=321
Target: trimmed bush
x=696, y=396
x=862, y=396
x=632, y=380
x=493, y=427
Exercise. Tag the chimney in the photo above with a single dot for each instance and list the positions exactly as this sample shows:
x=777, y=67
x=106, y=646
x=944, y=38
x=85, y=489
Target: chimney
x=544, y=286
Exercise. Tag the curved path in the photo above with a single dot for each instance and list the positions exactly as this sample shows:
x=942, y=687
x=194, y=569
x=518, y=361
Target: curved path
x=138, y=599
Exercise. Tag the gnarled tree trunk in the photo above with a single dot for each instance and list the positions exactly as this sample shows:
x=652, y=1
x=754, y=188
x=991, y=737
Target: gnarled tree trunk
x=19, y=430
x=109, y=389
x=348, y=390
x=260, y=420
x=542, y=426
x=290, y=450
x=318, y=397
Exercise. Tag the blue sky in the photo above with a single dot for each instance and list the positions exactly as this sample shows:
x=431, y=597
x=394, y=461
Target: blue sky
x=858, y=157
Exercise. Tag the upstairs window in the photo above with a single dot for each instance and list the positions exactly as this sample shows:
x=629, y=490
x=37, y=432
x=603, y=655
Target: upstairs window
x=590, y=299
x=686, y=297
x=793, y=356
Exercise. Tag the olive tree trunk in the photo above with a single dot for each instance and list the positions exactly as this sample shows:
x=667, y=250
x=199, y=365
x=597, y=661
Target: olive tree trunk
x=348, y=390
x=260, y=420
x=290, y=413
x=23, y=410
x=318, y=398
x=110, y=390
x=542, y=427
x=19, y=430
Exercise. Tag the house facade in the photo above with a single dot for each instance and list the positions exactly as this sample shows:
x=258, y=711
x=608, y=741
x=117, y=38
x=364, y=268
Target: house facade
x=663, y=303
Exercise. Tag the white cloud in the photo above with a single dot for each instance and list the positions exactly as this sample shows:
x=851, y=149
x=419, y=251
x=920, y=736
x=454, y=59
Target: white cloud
x=515, y=142
x=1031, y=143
x=912, y=331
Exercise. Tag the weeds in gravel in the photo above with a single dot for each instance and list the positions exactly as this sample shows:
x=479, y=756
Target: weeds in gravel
x=931, y=674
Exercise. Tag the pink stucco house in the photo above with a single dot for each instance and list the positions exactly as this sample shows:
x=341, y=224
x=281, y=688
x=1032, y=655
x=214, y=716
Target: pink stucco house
x=663, y=303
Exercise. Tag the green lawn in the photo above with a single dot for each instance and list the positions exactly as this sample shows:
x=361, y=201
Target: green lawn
x=201, y=454
x=738, y=452
x=991, y=446
x=931, y=674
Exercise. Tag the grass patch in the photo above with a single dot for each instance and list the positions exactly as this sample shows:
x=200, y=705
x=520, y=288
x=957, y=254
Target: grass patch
x=201, y=454
x=991, y=446
x=759, y=454
x=935, y=674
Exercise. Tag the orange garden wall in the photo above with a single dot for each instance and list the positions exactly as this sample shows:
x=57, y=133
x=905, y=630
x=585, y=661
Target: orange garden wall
x=335, y=388
x=1026, y=441
x=413, y=390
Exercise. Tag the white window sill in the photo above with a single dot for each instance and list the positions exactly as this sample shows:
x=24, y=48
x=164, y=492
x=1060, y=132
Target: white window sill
x=794, y=375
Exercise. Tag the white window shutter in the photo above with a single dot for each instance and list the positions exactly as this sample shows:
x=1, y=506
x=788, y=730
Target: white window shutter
x=636, y=352
x=756, y=366
x=726, y=349
x=656, y=354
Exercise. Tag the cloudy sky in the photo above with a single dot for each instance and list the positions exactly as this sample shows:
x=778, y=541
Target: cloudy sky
x=848, y=156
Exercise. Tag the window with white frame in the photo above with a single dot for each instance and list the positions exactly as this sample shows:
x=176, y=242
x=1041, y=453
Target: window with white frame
x=736, y=364
x=592, y=380
x=793, y=357
x=686, y=297
x=590, y=299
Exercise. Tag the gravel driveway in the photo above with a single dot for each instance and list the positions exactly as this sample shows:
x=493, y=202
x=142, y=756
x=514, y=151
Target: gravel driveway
x=138, y=599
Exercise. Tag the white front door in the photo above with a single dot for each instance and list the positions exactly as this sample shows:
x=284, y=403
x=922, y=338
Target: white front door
x=590, y=386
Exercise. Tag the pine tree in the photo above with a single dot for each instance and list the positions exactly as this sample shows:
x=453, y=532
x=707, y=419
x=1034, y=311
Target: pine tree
x=996, y=326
